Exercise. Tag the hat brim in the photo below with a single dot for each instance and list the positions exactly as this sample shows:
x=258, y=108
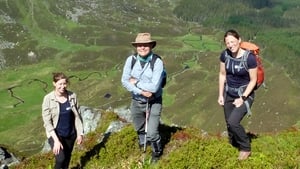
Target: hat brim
x=150, y=42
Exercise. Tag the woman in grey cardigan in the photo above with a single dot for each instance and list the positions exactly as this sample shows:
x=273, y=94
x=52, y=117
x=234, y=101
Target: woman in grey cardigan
x=62, y=120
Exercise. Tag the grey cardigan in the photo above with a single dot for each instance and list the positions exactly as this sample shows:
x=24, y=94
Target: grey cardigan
x=50, y=112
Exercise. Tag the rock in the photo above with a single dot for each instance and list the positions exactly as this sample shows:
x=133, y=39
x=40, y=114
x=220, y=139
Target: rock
x=7, y=159
x=124, y=113
x=90, y=118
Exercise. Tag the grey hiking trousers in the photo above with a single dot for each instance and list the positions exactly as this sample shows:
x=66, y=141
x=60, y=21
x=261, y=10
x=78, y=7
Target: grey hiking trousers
x=138, y=112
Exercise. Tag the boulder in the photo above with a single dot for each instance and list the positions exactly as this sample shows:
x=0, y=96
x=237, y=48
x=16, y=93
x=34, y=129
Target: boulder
x=90, y=118
x=7, y=159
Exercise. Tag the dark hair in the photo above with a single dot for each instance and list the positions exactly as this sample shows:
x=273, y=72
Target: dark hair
x=59, y=75
x=233, y=33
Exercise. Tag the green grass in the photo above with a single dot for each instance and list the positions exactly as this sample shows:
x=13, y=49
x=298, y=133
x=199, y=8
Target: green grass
x=94, y=50
x=183, y=148
x=200, y=42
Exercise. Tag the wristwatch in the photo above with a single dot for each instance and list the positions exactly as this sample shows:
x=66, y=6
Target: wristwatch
x=244, y=98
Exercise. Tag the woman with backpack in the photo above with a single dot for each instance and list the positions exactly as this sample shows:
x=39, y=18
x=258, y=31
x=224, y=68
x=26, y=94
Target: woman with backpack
x=142, y=77
x=237, y=80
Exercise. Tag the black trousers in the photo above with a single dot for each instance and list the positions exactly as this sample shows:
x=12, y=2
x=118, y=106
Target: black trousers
x=63, y=158
x=233, y=117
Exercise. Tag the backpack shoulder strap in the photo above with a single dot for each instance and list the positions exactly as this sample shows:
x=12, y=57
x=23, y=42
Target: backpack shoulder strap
x=243, y=60
x=226, y=55
x=227, y=59
x=133, y=60
x=154, y=57
x=152, y=62
x=245, y=57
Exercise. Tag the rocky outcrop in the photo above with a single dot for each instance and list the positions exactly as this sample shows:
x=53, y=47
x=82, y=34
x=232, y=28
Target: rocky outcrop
x=90, y=118
x=6, y=158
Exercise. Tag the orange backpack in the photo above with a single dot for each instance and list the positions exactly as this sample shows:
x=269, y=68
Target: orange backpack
x=253, y=48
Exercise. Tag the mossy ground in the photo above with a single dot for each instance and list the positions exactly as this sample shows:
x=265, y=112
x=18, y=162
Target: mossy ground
x=183, y=148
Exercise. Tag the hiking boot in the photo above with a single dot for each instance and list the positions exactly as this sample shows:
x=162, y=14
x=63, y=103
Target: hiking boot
x=156, y=150
x=141, y=146
x=155, y=156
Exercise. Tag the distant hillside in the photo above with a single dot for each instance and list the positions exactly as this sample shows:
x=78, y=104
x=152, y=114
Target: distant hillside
x=90, y=40
x=273, y=24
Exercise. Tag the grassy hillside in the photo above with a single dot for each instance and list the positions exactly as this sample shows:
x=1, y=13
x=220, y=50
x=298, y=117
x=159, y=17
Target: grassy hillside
x=90, y=40
x=273, y=24
x=183, y=148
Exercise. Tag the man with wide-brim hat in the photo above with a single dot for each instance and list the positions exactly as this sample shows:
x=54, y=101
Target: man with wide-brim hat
x=144, y=38
x=142, y=77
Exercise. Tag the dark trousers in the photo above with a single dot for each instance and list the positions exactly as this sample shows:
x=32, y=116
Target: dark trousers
x=233, y=117
x=63, y=158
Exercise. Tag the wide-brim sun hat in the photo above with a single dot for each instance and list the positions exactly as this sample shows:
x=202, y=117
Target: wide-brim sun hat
x=144, y=38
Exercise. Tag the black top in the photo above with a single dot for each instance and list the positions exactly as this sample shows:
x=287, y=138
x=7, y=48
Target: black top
x=65, y=125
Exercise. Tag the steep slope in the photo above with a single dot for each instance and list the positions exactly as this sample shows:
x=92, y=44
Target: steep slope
x=90, y=39
x=183, y=148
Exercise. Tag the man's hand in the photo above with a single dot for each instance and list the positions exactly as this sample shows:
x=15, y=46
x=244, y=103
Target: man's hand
x=146, y=94
x=133, y=80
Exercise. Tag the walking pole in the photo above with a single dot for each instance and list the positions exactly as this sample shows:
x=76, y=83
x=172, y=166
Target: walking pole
x=146, y=124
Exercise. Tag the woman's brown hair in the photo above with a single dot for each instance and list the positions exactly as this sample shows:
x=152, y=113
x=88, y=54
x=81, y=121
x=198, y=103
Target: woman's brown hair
x=59, y=75
x=233, y=33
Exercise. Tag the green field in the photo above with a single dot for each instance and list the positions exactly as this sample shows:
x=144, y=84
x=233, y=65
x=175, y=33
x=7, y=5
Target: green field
x=92, y=46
